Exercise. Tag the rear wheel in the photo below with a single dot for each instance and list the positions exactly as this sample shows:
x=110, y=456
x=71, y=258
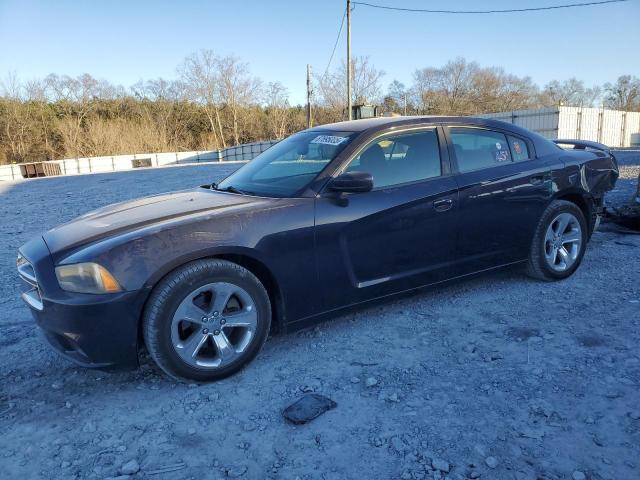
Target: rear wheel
x=559, y=242
x=206, y=320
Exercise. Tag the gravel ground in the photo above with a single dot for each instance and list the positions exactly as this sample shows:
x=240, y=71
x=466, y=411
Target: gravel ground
x=496, y=377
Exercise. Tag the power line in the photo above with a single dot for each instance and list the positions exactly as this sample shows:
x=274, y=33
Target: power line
x=510, y=10
x=326, y=70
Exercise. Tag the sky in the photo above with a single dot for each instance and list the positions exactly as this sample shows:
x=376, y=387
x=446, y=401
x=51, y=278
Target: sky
x=127, y=41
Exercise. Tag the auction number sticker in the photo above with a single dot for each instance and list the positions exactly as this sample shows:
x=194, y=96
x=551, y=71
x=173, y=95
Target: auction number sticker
x=328, y=140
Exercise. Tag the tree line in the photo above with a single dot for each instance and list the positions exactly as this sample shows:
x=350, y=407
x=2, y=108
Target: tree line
x=215, y=101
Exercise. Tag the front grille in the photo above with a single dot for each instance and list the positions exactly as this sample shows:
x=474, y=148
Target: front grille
x=31, y=293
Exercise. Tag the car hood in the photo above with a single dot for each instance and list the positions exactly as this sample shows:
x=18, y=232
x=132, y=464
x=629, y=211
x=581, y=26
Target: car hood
x=128, y=216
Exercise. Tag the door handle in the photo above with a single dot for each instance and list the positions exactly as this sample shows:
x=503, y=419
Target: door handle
x=538, y=179
x=442, y=205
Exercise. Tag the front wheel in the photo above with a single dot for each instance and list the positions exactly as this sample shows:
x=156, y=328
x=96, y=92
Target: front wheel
x=559, y=242
x=206, y=320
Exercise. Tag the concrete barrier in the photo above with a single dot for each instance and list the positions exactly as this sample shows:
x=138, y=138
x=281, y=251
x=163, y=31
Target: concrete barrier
x=113, y=163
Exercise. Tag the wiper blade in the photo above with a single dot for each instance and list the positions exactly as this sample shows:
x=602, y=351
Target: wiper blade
x=231, y=189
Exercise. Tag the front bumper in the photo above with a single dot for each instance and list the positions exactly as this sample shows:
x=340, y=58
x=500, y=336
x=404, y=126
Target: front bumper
x=98, y=331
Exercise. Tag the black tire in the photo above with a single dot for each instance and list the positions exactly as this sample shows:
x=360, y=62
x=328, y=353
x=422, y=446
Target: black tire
x=173, y=289
x=537, y=266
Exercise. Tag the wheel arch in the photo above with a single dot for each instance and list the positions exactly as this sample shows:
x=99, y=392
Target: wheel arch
x=267, y=278
x=583, y=202
x=239, y=256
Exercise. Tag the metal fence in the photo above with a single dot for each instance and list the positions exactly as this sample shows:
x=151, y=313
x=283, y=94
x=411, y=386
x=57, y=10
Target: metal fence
x=79, y=166
x=614, y=128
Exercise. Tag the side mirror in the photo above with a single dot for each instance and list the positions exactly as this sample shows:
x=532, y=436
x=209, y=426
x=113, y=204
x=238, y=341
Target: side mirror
x=352, y=182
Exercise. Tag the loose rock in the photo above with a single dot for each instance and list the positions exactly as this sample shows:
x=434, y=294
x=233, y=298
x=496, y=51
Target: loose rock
x=439, y=464
x=237, y=471
x=130, y=468
x=371, y=382
x=307, y=408
x=492, y=462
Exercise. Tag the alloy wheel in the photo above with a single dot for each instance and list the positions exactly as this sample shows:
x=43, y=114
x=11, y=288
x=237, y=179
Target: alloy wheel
x=562, y=242
x=213, y=325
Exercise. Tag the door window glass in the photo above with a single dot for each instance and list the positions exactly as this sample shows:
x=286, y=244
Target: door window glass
x=519, y=149
x=401, y=158
x=476, y=148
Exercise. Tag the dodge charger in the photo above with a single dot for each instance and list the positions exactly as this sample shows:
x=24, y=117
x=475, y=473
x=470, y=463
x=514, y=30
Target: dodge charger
x=327, y=219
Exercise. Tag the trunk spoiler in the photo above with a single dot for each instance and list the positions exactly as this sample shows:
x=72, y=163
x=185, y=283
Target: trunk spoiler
x=587, y=145
x=582, y=145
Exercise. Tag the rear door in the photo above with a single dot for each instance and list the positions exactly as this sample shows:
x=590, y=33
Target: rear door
x=400, y=234
x=503, y=190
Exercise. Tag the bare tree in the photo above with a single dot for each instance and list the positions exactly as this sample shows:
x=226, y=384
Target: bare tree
x=571, y=92
x=238, y=89
x=277, y=104
x=493, y=90
x=35, y=92
x=22, y=114
x=11, y=87
x=163, y=104
x=365, y=84
x=76, y=99
x=16, y=120
x=199, y=72
x=456, y=83
x=425, y=90
x=464, y=88
x=624, y=94
x=397, y=97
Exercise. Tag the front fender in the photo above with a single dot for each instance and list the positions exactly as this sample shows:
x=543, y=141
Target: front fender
x=139, y=259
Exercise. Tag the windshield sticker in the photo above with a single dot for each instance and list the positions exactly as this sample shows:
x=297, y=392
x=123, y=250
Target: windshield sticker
x=498, y=145
x=328, y=140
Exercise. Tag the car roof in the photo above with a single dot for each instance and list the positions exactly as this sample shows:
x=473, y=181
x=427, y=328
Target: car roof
x=543, y=145
x=368, y=123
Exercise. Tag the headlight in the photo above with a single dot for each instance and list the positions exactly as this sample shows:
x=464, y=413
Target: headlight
x=20, y=261
x=86, y=278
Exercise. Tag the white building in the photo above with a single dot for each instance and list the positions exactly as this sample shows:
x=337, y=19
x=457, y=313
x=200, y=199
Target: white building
x=611, y=127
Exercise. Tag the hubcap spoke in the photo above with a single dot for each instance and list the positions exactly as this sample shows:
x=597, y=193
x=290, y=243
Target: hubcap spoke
x=550, y=235
x=192, y=345
x=564, y=257
x=222, y=296
x=245, y=318
x=571, y=237
x=187, y=311
x=563, y=221
x=225, y=349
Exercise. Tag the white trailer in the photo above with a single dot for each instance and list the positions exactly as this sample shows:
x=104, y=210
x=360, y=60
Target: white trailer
x=613, y=128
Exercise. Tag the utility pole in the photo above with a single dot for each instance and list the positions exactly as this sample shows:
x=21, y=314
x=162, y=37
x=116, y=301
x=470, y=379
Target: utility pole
x=309, y=121
x=349, y=106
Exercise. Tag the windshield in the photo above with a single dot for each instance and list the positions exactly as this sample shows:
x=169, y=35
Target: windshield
x=288, y=166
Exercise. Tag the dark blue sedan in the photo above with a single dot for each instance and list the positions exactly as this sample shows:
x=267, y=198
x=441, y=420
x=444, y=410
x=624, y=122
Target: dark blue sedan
x=327, y=219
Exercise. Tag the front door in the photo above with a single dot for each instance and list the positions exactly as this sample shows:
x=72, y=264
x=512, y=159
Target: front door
x=397, y=236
